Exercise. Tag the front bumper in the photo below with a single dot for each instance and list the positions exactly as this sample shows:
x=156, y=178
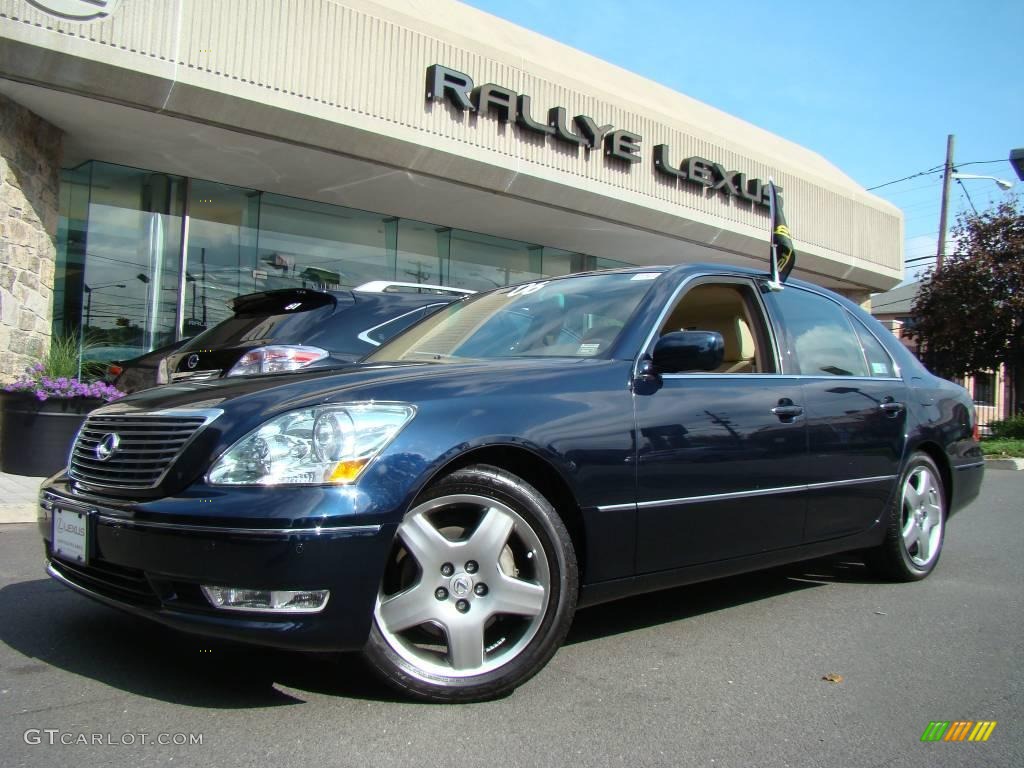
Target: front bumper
x=154, y=568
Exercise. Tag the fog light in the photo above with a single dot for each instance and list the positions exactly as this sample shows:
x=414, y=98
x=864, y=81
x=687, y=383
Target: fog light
x=275, y=600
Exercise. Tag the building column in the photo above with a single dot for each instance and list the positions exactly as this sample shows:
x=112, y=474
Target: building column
x=857, y=296
x=30, y=157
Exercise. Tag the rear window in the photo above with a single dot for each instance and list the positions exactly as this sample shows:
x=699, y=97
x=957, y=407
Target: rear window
x=372, y=320
x=290, y=316
x=281, y=302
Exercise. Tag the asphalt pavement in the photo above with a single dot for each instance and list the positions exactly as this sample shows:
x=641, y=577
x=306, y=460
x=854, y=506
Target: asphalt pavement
x=728, y=673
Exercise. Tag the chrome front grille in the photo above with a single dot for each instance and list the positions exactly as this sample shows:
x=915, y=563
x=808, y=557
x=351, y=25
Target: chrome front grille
x=133, y=451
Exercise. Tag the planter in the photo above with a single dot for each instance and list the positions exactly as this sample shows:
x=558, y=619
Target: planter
x=36, y=437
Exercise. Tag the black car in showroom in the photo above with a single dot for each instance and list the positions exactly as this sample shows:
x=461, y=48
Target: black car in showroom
x=446, y=504
x=287, y=329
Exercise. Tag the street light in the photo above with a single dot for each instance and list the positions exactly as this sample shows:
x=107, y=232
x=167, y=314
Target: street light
x=949, y=173
x=1003, y=183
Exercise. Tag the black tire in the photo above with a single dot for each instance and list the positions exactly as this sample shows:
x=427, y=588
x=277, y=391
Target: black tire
x=471, y=509
x=917, y=511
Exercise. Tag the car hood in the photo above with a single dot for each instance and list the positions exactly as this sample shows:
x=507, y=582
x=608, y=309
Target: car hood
x=274, y=393
x=442, y=392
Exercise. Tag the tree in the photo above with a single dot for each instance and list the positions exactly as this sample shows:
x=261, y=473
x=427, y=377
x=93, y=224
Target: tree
x=969, y=316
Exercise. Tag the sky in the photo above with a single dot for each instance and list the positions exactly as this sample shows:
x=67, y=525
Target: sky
x=873, y=86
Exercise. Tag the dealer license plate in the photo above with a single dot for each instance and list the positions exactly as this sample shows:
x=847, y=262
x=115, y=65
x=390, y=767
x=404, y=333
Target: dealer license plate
x=70, y=535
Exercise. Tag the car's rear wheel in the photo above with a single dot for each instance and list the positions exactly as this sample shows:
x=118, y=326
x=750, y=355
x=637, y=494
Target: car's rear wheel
x=479, y=589
x=916, y=525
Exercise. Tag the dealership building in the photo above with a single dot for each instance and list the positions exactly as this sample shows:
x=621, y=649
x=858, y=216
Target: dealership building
x=159, y=157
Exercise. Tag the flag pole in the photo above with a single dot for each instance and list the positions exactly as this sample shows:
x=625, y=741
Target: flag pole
x=773, y=278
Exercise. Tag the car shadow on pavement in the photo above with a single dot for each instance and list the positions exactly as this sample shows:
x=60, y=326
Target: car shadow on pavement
x=46, y=622
x=666, y=606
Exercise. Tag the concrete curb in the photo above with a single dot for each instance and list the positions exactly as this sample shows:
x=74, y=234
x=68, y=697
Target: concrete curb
x=17, y=513
x=1015, y=464
x=19, y=497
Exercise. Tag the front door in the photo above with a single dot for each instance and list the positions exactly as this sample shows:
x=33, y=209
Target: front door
x=721, y=459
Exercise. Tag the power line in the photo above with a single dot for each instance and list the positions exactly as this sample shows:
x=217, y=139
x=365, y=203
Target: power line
x=968, y=195
x=930, y=187
x=905, y=178
x=936, y=169
x=981, y=162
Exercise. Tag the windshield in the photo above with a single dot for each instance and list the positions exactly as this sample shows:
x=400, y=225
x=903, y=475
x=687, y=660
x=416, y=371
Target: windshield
x=567, y=317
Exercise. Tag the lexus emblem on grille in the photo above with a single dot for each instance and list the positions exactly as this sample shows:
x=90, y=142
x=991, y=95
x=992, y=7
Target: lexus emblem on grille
x=192, y=362
x=107, y=446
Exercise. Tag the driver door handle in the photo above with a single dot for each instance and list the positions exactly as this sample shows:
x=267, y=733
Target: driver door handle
x=788, y=411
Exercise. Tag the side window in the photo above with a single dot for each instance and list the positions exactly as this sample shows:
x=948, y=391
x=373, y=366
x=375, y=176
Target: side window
x=879, y=361
x=819, y=336
x=731, y=310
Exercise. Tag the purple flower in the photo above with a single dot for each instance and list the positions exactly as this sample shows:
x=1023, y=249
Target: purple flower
x=44, y=388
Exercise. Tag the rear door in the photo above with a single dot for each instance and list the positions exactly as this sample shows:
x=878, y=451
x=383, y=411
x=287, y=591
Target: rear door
x=721, y=465
x=855, y=405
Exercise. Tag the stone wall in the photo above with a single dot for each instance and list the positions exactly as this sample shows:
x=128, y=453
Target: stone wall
x=30, y=155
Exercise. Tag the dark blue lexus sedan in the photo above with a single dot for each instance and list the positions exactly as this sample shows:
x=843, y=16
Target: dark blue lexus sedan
x=446, y=504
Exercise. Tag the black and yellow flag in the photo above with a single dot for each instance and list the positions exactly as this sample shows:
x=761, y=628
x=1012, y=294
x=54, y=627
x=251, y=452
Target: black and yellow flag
x=783, y=253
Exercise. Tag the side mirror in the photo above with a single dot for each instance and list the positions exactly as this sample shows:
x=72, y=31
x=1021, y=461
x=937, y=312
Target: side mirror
x=689, y=351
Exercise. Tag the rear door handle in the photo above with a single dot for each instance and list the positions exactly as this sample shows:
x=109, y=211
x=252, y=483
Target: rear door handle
x=891, y=408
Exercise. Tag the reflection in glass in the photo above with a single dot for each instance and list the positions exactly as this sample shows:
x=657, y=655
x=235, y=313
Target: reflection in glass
x=481, y=262
x=569, y=317
x=303, y=244
x=422, y=252
x=131, y=265
x=223, y=226
x=119, y=272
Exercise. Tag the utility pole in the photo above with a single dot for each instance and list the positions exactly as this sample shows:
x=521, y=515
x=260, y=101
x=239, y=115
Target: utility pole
x=947, y=176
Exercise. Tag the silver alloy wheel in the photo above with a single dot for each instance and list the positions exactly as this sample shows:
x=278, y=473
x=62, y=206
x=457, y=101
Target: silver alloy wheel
x=481, y=589
x=922, y=519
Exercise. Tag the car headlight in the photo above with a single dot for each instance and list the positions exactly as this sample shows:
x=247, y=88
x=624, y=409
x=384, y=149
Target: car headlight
x=328, y=444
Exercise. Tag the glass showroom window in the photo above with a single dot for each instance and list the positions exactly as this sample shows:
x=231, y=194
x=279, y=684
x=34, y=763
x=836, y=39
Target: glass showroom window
x=482, y=262
x=316, y=245
x=422, y=252
x=119, y=274
x=130, y=265
x=221, y=259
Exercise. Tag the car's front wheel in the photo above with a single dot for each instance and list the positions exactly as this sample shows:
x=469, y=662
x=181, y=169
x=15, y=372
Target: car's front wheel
x=916, y=524
x=479, y=589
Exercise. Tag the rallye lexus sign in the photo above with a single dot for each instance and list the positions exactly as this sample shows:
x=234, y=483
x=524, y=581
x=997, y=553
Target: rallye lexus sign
x=619, y=145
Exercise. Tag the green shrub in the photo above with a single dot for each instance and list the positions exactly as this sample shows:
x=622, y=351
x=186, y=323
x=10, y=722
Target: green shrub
x=1003, y=448
x=1009, y=429
x=62, y=360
